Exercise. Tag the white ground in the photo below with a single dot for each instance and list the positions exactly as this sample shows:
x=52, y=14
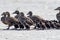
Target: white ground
x=44, y=8
x=30, y=35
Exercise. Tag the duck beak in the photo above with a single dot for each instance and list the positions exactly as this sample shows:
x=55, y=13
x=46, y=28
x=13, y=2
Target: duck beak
x=28, y=14
x=2, y=14
x=14, y=13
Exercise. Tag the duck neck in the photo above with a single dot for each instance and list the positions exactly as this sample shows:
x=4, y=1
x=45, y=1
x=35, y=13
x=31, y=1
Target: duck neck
x=30, y=15
x=8, y=15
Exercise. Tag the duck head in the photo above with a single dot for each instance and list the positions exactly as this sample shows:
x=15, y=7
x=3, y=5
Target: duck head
x=7, y=14
x=3, y=14
x=16, y=12
x=21, y=14
x=30, y=13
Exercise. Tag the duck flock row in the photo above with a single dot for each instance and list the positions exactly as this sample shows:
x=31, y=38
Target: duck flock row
x=22, y=22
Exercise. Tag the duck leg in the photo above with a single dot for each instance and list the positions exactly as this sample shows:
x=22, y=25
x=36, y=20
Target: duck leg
x=8, y=27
